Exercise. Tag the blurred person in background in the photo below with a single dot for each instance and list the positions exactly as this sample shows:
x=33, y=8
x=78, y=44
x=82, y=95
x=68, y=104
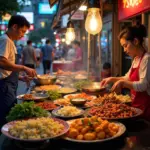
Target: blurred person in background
x=28, y=55
x=71, y=53
x=106, y=72
x=9, y=70
x=61, y=52
x=77, y=60
x=19, y=52
x=47, y=56
x=38, y=54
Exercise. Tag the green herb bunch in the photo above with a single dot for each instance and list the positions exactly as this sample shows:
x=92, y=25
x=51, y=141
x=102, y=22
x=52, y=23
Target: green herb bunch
x=26, y=110
x=79, y=84
x=54, y=94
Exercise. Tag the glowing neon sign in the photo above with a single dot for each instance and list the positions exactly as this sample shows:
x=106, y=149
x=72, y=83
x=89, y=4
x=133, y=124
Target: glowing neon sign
x=131, y=3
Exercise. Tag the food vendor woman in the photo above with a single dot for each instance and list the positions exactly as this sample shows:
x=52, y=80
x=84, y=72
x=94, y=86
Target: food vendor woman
x=17, y=27
x=138, y=77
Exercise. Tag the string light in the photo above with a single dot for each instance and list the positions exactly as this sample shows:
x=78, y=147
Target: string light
x=70, y=34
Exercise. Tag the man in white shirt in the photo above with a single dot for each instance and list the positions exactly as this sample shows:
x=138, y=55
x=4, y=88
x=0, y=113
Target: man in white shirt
x=9, y=70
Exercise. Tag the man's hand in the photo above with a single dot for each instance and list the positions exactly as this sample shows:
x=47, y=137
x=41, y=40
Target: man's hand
x=25, y=78
x=30, y=72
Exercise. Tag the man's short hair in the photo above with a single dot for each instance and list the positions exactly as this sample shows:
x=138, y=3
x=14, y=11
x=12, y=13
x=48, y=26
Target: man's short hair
x=76, y=43
x=106, y=65
x=20, y=21
x=47, y=41
x=29, y=42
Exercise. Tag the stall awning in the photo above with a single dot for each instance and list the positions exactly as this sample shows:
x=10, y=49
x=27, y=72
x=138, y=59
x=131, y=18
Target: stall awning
x=65, y=6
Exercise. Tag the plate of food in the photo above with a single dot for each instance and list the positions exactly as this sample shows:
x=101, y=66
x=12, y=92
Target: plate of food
x=112, y=98
x=80, y=95
x=68, y=112
x=64, y=73
x=80, y=77
x=44, y=79
x=93, y=130
x=49, y=106
x=112, y=111
x=30, y=130
x=46, y=88
x=33, y=97
x=62, y=102
x=82, y=72
x=68, y=102
x=67, y=90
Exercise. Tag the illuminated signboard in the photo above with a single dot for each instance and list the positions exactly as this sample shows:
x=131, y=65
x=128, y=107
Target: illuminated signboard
x=44, y=9
x=130, y=8
x=131, y=3
x=28, y=16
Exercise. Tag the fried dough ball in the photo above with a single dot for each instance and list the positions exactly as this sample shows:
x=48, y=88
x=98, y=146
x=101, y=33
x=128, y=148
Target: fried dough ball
x=85, y=130
x=80, y=137
x=73, y=133
x=101, y=135
x=89, y=136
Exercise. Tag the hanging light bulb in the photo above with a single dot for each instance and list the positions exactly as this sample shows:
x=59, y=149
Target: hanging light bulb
x=70, y=34
x=68, y=42
x=93, y=23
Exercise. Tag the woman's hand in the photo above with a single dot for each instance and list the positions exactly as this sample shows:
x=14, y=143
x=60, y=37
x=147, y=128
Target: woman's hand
x=118, y=86
x=106, y=81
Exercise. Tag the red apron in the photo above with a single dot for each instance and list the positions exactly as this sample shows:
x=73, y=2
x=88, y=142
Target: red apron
x=140, y=99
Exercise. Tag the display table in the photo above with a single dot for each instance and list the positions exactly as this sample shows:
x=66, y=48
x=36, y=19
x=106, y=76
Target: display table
x=63, y=65
x=137, y=137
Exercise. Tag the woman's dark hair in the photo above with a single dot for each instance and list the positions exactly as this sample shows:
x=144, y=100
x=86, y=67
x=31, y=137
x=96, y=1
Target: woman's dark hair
x=76, y=43
x=106, y=65
x=130, y=33
x=20, y=21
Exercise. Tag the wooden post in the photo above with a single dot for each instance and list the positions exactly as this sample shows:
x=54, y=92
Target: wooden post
x=100, y=56
x=116, y=48
x=148, y=33
x=89, y=55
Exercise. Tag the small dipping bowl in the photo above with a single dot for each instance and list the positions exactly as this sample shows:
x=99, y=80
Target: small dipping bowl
x=78, y=101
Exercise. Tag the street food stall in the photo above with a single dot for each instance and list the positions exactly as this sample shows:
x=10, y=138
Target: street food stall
x=63, y=65
x=79, y=119
x=71, y=109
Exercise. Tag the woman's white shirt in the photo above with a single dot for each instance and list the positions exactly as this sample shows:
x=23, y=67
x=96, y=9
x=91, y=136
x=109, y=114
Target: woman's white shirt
x=144, y=73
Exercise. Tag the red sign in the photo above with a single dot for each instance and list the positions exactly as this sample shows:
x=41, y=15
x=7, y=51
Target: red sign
x=31, y=27
x=3, y=27
x=78, y=15
x=130, y=8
